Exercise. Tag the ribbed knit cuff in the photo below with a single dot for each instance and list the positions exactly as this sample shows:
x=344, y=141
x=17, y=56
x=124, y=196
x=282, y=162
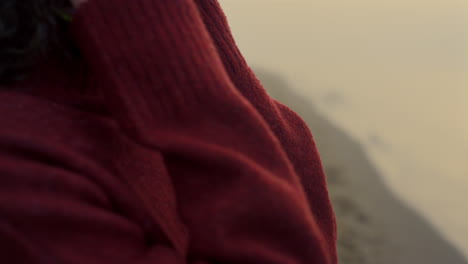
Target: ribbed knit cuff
x=157, y=57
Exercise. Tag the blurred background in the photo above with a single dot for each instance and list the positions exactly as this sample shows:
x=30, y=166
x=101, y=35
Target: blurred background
x=383, y=86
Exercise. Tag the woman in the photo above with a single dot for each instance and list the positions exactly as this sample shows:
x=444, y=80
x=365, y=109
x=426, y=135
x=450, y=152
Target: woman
x=137, y=133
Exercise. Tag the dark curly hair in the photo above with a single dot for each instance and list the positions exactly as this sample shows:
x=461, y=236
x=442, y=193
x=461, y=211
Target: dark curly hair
x=31, y=30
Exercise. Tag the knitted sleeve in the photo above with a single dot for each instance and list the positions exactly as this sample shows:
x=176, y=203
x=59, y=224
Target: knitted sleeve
x=238, y=193
x=60, y=200
x=291, y=130
x=51, y=212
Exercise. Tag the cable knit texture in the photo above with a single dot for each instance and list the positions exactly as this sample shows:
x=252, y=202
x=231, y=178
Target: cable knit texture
x=160, y=146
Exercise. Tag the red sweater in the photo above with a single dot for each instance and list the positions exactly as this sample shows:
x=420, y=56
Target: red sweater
x=160, y=146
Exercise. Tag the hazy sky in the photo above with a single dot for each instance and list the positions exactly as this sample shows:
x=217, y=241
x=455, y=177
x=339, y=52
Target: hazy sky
x=400, y=71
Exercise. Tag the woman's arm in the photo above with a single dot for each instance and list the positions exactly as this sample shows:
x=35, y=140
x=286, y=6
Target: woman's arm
x=238, y=193
x=53, y=212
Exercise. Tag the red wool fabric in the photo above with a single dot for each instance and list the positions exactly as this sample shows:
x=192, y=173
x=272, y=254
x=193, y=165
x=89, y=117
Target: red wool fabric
x=159, y=146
